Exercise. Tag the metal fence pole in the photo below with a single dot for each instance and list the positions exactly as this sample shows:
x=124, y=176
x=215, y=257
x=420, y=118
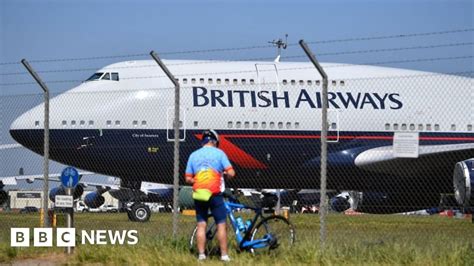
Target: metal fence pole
x=46, y=141
x=176, y=140
x=324, y=145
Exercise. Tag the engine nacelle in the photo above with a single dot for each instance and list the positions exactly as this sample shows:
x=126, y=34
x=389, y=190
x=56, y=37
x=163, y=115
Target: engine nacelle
x=94, y=200
x=3, y=196
x=463, y=181
x=76, y=193
x=340, y=203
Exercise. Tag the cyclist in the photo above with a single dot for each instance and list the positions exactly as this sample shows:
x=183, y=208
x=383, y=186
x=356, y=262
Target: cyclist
x=205, y=171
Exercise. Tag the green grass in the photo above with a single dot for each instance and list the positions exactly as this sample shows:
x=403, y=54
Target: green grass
x=352, y=240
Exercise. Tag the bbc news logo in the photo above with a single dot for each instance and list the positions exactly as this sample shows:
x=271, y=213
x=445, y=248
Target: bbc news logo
x=66, y=237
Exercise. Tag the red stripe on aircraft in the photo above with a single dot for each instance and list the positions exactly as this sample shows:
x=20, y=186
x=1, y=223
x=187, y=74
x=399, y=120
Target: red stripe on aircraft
x=341, y=137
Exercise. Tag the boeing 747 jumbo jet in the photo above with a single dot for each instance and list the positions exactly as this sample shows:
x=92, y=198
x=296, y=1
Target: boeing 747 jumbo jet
x=395, y=135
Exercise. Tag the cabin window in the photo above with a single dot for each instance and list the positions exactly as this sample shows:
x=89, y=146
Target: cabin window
x=243, y=81
x=109, y=123
x=64, y=123
x=193, y=81
x=387, y=126
x=73, y=123
x=395, y=126
x=227, y=81
x=201, y=80
x=117, y=122
x=235, y=81
x=469, y=127
x=196, y=123
x=135, y=123
x=288, y=125
x=412, y=127
x=318, y=82
x=252, y=82
x=309, y=82
x=209, y=81
x=453, y=127
x=342, y=83
x=428, y=126
x=437, y=127
x=255, y=124
x=333, y=126
x=285, y=82
x=82, y=122
x=297, y=125
x=230, y=124
x=238, y=124
x=301, y=82
x=37, y=123
x=91, y=123
x=115, y=76
x=185, y=81
x=144, y=123
x=293, y=82
x=334, y=83
x=420, y=127
x=272, y=124
x=404, y=126
x=247, y=124
x=264, y=124
x=218, y=81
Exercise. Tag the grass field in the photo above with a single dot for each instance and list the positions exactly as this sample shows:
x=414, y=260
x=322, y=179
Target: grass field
x=352, y=240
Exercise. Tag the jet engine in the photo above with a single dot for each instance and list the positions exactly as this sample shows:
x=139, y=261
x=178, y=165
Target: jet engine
x=3, y=196
x=463, y=180
x=340, y=203
x=76, y=193
x=94, y=200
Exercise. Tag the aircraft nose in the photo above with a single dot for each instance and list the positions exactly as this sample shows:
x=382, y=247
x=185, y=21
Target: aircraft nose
x=23, y=125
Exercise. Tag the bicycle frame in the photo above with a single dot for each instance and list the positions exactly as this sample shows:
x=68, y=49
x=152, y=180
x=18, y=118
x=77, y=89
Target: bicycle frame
x=244, y=241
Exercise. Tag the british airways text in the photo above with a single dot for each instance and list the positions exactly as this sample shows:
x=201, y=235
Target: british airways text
x=203, y=97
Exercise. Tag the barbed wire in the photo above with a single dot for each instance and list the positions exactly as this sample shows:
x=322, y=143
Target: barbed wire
x=255, y=59
x=412, y=35
x=253, y=71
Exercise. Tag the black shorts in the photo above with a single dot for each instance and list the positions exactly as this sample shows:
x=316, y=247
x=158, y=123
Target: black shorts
x=216, y=205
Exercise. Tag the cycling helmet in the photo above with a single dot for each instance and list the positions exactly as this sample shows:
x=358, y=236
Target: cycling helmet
x=210, y=135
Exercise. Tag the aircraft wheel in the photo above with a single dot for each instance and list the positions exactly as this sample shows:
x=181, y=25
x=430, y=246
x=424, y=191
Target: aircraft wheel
x=140, y=213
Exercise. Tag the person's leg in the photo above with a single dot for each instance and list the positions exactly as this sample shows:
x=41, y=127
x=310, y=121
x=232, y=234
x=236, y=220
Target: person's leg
x=201, y=237
x=220, y=216
x=201, y=217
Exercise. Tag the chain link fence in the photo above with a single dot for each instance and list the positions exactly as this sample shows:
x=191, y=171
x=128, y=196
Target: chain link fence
x=271, y=133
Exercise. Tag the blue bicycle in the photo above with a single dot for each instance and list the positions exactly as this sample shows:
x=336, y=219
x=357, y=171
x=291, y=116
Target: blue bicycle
x=262, y=233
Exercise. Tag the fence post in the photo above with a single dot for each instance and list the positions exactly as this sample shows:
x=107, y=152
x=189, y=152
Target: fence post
x=324, y=145
x=176, y=140
x=46, y=141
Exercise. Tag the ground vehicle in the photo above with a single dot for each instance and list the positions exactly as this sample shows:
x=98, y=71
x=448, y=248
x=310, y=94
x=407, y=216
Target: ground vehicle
x=29, y=209
x=260, y=234
x=108, y=208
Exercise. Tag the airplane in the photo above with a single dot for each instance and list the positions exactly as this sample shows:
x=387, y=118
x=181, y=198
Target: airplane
x=119, y=122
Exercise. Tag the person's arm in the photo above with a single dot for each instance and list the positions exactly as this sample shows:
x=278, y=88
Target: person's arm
x=189, y=174
x=229, y=171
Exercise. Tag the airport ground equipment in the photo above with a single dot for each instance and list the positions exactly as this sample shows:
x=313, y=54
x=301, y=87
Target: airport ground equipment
x=260, y=234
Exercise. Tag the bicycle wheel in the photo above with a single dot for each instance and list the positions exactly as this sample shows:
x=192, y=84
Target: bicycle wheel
x=211, y=247
x=278, y=229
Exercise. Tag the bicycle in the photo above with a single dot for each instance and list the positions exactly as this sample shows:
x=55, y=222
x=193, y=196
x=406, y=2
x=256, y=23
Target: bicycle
x=270, y=233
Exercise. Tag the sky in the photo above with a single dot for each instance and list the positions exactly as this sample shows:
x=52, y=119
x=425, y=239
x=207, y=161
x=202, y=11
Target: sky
x=64, y=30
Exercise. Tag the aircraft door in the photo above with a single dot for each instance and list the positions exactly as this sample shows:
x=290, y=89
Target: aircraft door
x=170, y=124
x=267, y=76
x=333, y=125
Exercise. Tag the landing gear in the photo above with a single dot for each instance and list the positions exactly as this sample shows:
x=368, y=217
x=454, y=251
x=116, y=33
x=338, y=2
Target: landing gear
x=139, y=212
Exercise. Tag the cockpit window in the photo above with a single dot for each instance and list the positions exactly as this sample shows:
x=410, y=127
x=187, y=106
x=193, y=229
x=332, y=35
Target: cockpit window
x=106, y=76
x=115, y=76
x=96, y=76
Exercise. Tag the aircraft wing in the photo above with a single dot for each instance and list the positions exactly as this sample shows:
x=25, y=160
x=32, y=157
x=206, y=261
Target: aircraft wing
x=55, y=177
x=377, y=159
